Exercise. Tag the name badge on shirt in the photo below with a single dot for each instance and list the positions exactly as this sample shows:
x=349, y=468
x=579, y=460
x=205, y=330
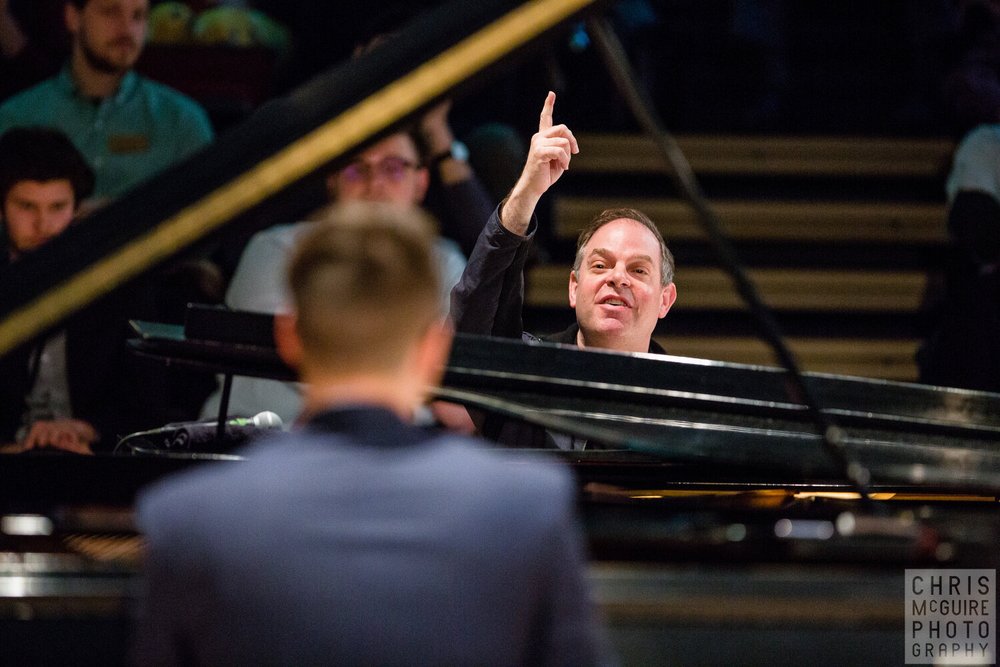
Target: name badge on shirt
x=128, y=143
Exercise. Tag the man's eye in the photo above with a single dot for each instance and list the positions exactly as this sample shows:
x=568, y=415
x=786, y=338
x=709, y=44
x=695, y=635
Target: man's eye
x=354, y=171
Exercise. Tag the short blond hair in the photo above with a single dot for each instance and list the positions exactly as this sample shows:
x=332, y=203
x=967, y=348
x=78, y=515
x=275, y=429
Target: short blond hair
x=365, y=286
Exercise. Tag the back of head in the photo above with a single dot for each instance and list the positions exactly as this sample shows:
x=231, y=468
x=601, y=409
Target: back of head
x=364, y=284
x=42, y=154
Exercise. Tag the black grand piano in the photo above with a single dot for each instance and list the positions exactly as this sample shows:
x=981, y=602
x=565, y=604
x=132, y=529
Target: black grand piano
x=732, y=519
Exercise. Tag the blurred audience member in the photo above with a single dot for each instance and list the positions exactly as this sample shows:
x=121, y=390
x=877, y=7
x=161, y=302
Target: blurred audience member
x=972, y=89
x=59, y=390
x=128, y=127
x=964, y=348
x=393, y=170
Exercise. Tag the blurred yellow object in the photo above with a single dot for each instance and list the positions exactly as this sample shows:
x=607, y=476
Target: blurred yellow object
x=224, y=25
x=170, y=23
x=236, y=26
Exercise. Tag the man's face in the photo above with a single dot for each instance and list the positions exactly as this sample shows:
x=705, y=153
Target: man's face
x=36, y=211
x=109, y=34
x=617, y=292
x=388, y=172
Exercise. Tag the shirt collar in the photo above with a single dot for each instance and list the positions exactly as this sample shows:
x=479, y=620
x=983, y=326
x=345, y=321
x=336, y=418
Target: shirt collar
x=568, y=337
x=368, y=425
x=128, y=85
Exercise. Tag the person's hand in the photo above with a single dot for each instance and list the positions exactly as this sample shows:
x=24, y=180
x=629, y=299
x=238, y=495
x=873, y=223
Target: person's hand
x=549, y=155
x=71, y=435
x=11, y=448
x=438, y=138
x=435, y=130
x=453, y=417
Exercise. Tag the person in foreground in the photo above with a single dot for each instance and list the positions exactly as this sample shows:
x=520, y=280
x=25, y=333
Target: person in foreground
x=622, y=278
x=360, y=539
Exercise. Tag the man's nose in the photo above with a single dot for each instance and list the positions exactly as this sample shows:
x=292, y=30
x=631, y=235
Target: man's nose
x=375, y=185
x=128, y=26
x=123, y=24
x=47, y=224
x=618, y=275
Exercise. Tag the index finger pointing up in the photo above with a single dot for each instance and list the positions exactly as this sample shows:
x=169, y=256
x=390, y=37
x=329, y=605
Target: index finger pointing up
x=545, y=121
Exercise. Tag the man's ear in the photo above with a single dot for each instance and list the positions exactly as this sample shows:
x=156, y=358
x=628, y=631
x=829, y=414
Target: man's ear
x=572, y=289
x=71, y=16
x=423, y=182
x=668, y=297
x=286, y=339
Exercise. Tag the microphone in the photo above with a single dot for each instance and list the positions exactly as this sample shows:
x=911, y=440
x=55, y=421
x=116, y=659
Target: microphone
x=187, y=436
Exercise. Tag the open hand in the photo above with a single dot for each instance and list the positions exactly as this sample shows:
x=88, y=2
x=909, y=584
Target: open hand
x=71, y=435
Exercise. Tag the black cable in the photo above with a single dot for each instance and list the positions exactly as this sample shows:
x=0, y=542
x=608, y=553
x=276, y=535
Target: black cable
x=617, y=64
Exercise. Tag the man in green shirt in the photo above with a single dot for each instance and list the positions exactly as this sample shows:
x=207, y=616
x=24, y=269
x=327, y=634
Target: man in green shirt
x=128, y=127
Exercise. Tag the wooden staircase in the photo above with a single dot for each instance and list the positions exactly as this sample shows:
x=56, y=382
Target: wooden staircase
x=840, y=235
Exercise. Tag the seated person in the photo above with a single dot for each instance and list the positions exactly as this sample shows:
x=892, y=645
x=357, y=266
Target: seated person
x=621, y=284
x=963, y=350
x=393, y=170
x=360, y=539
x=128, y=127
x=56, y=391
x=622, y=278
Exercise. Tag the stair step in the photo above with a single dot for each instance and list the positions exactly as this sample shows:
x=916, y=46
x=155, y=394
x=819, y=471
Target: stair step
x=890, y=359
x=791, y=221
x=822, y=156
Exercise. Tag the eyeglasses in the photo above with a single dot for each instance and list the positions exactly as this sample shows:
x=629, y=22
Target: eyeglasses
x=389, y=168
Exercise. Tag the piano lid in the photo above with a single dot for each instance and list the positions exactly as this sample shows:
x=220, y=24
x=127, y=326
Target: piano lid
x=692, y=410
x=680, y=410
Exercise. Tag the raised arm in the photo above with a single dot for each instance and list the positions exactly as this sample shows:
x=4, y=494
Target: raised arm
x=461, y=200
x=489, y=297
x=551, y=149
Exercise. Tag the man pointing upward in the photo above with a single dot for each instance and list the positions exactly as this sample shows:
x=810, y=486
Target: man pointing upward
x=621, y=283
